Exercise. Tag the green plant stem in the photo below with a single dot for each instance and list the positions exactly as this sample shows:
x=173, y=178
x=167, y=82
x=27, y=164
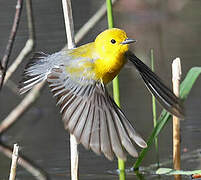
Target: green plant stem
x=185, y=88
x=154, y=105
x=153, y=98
x=165, y=116
x=121, y=164
x=109, y=14
x=116, y=94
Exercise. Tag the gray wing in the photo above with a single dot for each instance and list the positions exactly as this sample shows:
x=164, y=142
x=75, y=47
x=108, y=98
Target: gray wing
x=91, y=115
x=37, y=69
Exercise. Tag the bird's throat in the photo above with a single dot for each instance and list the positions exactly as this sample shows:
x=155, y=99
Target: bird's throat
x=107, y=69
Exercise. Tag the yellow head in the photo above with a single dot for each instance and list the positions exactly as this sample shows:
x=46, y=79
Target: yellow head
x=110, y=48
x=112, y=43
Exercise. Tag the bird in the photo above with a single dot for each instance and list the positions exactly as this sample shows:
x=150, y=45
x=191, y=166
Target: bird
x=78, y=77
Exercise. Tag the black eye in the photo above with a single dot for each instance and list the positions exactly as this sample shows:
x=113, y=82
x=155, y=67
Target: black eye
x=113, y=41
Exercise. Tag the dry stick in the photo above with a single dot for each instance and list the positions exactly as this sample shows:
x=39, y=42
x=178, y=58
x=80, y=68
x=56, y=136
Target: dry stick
x=4, y=62
x=18, y=111
x=14, y=162
x=29, y=44
x=24, y=163
x=30, y=20
x=67, y=11
x=176, y=76
x=23, y=53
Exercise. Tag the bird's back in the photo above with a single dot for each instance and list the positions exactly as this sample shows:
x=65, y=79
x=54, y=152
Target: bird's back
x=80, y=62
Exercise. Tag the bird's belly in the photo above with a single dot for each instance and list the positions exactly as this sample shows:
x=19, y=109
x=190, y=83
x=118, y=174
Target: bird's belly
x=109, y=76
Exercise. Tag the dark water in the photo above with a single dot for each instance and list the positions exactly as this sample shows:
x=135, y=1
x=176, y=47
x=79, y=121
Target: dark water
x=172, y=28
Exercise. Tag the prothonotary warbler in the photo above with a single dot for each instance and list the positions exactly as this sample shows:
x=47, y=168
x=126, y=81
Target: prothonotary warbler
x=78, y=78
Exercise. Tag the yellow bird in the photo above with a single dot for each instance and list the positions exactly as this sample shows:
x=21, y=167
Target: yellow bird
x=77, y=77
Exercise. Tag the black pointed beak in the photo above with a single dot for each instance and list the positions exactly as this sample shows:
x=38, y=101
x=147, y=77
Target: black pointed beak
x=128, y=41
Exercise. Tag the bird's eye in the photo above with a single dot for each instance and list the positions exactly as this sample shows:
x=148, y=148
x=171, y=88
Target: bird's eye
x=113, y=41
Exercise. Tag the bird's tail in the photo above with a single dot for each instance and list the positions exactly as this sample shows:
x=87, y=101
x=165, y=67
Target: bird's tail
x=162, y=93
x=35, y=72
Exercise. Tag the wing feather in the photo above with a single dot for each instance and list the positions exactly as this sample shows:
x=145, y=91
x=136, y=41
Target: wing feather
x=162, y=93
x=114, y=137
x=125, y=140
x=81, y=123
x=92, y=116
x=86, y=134
x=129, y=128
x=105, y=138
x=95, y=133
x=62, y=97
x=76, y=116
x=67, y=101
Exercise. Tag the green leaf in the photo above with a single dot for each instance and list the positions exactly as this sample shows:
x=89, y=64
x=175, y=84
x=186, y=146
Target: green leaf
x=188, y=82
x=168, y=171
x=185, y=88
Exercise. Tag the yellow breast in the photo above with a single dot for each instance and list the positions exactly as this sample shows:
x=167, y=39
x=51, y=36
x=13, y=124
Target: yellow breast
x=107, y=69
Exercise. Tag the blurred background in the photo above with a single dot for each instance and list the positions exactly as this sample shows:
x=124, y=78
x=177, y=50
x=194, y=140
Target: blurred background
x=172, y=28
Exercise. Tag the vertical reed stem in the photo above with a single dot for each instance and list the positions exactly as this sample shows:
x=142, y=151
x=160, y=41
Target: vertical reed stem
x=153, y=98
x=109, y=14
x=121, y=164
x=14, y=162
x=176, y=76
x=67, y=10
x=154, y=105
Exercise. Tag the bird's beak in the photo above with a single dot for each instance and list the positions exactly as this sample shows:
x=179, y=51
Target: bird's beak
x=128, y=41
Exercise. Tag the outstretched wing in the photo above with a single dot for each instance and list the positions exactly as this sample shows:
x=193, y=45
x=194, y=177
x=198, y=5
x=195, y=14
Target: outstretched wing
x=162, y=93
x=91, y=115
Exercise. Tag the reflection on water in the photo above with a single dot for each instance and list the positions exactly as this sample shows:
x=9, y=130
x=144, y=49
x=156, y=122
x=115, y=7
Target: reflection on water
x=173, y=30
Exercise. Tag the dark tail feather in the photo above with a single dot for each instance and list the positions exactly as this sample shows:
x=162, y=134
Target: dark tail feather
x=34, y=72
x=162, y=93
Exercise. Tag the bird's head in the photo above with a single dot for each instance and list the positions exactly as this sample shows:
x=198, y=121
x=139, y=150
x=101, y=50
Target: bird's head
x=112, y=42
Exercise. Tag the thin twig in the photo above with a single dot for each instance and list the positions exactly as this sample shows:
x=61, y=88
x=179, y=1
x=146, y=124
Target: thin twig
x=67, y=11
x=14, y=162
x=4, y=62
x=176, y=76
x=30, y=19
x=25, y=164
x=18, y=111
x=29, y=44
x=24, y=52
